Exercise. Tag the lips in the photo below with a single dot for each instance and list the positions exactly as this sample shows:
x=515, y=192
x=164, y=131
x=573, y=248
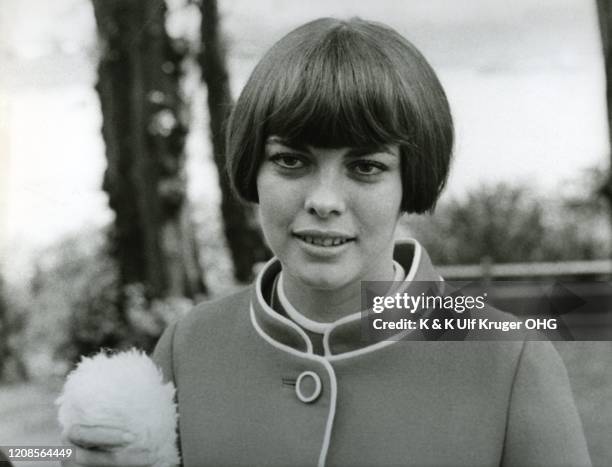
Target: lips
x=324, y=239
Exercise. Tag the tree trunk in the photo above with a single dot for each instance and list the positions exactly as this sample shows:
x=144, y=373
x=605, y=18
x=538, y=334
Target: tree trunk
x=144, y=129
x=604, y=11
x=242, y=233
x=4, y=332
x=12, y=364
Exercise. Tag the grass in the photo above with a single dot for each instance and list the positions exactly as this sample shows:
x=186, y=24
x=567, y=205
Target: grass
x=28, y=417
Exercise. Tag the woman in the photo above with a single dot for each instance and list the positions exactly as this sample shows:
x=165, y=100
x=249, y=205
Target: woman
x=342, y=127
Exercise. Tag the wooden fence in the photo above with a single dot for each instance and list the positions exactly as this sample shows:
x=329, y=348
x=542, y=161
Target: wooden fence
x=486, y=270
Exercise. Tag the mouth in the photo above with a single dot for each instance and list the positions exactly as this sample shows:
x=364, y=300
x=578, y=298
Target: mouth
x=324, y=240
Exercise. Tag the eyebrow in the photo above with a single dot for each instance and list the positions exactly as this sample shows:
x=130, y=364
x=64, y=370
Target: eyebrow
x=353, y=152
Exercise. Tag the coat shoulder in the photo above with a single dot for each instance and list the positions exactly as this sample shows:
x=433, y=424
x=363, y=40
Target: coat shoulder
x=214, y=315
x=230, y=304
x=205, y=323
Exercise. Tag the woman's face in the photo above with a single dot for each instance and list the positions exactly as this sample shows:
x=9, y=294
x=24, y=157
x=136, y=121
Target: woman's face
x=330, y=215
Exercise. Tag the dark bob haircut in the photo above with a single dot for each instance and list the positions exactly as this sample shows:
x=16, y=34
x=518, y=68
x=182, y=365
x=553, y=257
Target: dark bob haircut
x=332, y=84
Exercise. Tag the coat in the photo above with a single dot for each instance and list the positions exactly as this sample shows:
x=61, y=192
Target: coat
x=252, y=392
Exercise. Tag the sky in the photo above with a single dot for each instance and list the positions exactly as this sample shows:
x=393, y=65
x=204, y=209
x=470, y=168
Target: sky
x=524, y=79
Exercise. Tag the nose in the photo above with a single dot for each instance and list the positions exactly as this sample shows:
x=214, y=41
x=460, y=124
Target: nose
x=326, y=197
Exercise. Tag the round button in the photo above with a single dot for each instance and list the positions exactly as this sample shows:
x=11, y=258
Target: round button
x=308, y=386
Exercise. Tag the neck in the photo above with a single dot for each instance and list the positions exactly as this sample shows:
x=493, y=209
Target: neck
x=324, y=305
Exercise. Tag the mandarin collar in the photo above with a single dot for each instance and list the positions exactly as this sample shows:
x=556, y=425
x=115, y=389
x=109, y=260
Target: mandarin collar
x=345, y=334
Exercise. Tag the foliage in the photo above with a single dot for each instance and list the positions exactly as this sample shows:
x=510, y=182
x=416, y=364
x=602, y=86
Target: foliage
x=215, y=255
x=105, y=315
x=509, y=224
x=63, y=272
x=76, y=305
x=79, y=307
x=12, y=327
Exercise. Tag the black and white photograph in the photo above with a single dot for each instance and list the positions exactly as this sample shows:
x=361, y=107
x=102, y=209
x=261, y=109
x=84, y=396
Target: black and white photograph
x=282, y=233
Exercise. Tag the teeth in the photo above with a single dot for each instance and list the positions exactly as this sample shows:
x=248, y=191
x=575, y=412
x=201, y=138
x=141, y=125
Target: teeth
x=326, y=242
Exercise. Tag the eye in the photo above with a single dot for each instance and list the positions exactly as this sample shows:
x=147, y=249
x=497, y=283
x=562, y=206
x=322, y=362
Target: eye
x=287, y=160
x=368, y=168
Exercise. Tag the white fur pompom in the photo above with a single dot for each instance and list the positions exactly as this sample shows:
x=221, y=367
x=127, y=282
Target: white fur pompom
x=123, y=390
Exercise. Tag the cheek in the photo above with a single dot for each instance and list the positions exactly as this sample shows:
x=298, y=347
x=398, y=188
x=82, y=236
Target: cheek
x=276, y=206
x=268, y=209
x=382, y=220
x=266, y=189
x=379, y=212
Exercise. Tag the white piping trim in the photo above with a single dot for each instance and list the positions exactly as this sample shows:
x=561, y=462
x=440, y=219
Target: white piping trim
x=416, y=260
x=328, y=357
x=333, y=390
x=326, y=349
x=268, y=310
x=333, y=394
x=364, y=350
x=414, y=266
x=399, y=272
x=321, y=327
x=345, y=319
x=367, y=349
x=307, y=323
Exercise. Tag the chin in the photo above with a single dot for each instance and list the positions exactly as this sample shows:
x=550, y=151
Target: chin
x=323, y=280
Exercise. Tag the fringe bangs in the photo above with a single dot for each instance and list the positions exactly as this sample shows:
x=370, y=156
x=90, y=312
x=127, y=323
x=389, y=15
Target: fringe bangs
x=342, y=93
